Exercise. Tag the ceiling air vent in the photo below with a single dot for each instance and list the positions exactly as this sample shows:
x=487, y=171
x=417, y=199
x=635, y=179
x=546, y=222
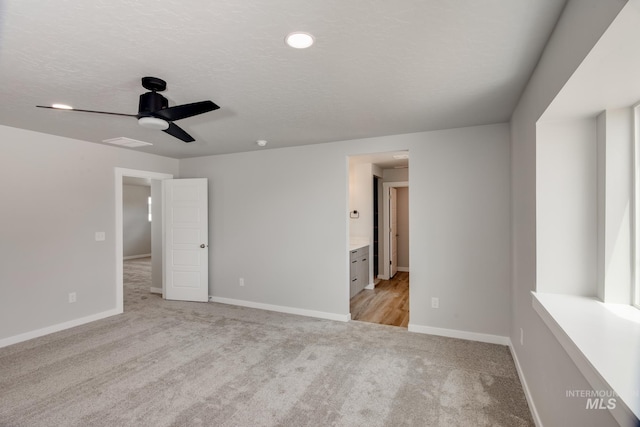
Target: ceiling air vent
x=126, y=142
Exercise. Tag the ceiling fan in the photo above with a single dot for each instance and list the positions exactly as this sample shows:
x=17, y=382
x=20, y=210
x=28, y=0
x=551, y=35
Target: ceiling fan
x=154, y=111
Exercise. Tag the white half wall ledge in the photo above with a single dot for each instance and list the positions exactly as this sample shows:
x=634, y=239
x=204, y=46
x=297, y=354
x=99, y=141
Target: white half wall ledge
x=56, y=328
x=282, y=309
x=463, y=335
x=588, y=329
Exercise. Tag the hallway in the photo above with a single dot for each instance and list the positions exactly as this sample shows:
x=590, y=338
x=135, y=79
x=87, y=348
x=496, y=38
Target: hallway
x=387, y=304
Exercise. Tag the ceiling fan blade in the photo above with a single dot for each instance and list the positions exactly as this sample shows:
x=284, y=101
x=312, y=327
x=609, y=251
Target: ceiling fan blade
x=87, y=111
x=178, y=132
x=186, y=110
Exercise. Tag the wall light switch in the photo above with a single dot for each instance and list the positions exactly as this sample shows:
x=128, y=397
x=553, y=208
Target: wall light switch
x=435, y=302
x=100, y=236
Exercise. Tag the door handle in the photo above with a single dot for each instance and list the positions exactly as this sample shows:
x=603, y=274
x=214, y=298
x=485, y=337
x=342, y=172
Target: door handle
x=203, y=246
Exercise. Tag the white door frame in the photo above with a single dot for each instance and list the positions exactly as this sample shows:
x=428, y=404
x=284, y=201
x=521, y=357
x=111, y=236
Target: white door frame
x=119, y=174
x=386, y=256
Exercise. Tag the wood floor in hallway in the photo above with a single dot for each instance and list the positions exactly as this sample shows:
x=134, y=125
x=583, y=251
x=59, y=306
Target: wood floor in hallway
x=387, y=304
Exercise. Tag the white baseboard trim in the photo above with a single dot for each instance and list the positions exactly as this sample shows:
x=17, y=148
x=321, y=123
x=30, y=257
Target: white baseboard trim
x=370, y=286
x=156, y=290
x=282, y=309
x=136, y=256
x=56, y=328
x=525, y=387
x=405, y=269
x=454, y=333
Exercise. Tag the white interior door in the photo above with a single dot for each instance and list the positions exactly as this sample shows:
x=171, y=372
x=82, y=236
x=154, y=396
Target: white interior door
x=393, y=232
x=186, y=245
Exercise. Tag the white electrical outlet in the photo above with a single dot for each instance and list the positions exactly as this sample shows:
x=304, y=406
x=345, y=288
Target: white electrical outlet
x=521, y=337
x=100, y=236
x=72, y=297
x=435, y=302
x=241, y=281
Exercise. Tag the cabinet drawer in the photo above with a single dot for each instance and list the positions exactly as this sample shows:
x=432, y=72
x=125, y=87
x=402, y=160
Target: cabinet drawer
x=353, y=268
x=359, y=253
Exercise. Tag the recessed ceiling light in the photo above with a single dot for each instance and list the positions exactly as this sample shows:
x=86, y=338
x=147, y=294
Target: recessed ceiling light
x=299, y=40
x=62, y=106
x=400, y=156
x=261, y=142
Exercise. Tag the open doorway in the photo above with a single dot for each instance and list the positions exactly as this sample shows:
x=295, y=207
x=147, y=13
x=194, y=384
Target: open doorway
x=395, y=229
x=379, y=220
x=140, y=235
x=153, y=263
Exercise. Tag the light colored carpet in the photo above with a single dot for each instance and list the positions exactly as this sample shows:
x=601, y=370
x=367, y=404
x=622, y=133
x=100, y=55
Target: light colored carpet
x=165, y=363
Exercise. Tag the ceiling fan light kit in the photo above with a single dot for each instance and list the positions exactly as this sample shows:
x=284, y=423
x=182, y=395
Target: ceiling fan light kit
x=153, y=123
x=154, y=111
x=62, y=107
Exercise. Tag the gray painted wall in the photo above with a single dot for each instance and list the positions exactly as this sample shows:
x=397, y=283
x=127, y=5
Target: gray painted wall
x=278, y=218
x=48, y=219
x=548, y=370
x=136, y=228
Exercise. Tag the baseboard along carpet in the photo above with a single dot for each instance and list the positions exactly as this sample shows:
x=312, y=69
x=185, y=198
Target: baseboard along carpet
x=167, y=363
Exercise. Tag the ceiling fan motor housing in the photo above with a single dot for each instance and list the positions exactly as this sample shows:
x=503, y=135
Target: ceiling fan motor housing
x=151, y=102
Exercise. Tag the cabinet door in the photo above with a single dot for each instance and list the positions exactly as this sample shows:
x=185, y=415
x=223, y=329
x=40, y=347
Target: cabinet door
x=363, y=271
x=354, y=287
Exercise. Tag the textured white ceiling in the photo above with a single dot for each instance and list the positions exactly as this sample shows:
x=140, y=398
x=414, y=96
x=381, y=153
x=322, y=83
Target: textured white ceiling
x=377, y=68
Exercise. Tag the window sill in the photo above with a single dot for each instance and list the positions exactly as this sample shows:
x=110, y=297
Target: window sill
x=603, y=340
